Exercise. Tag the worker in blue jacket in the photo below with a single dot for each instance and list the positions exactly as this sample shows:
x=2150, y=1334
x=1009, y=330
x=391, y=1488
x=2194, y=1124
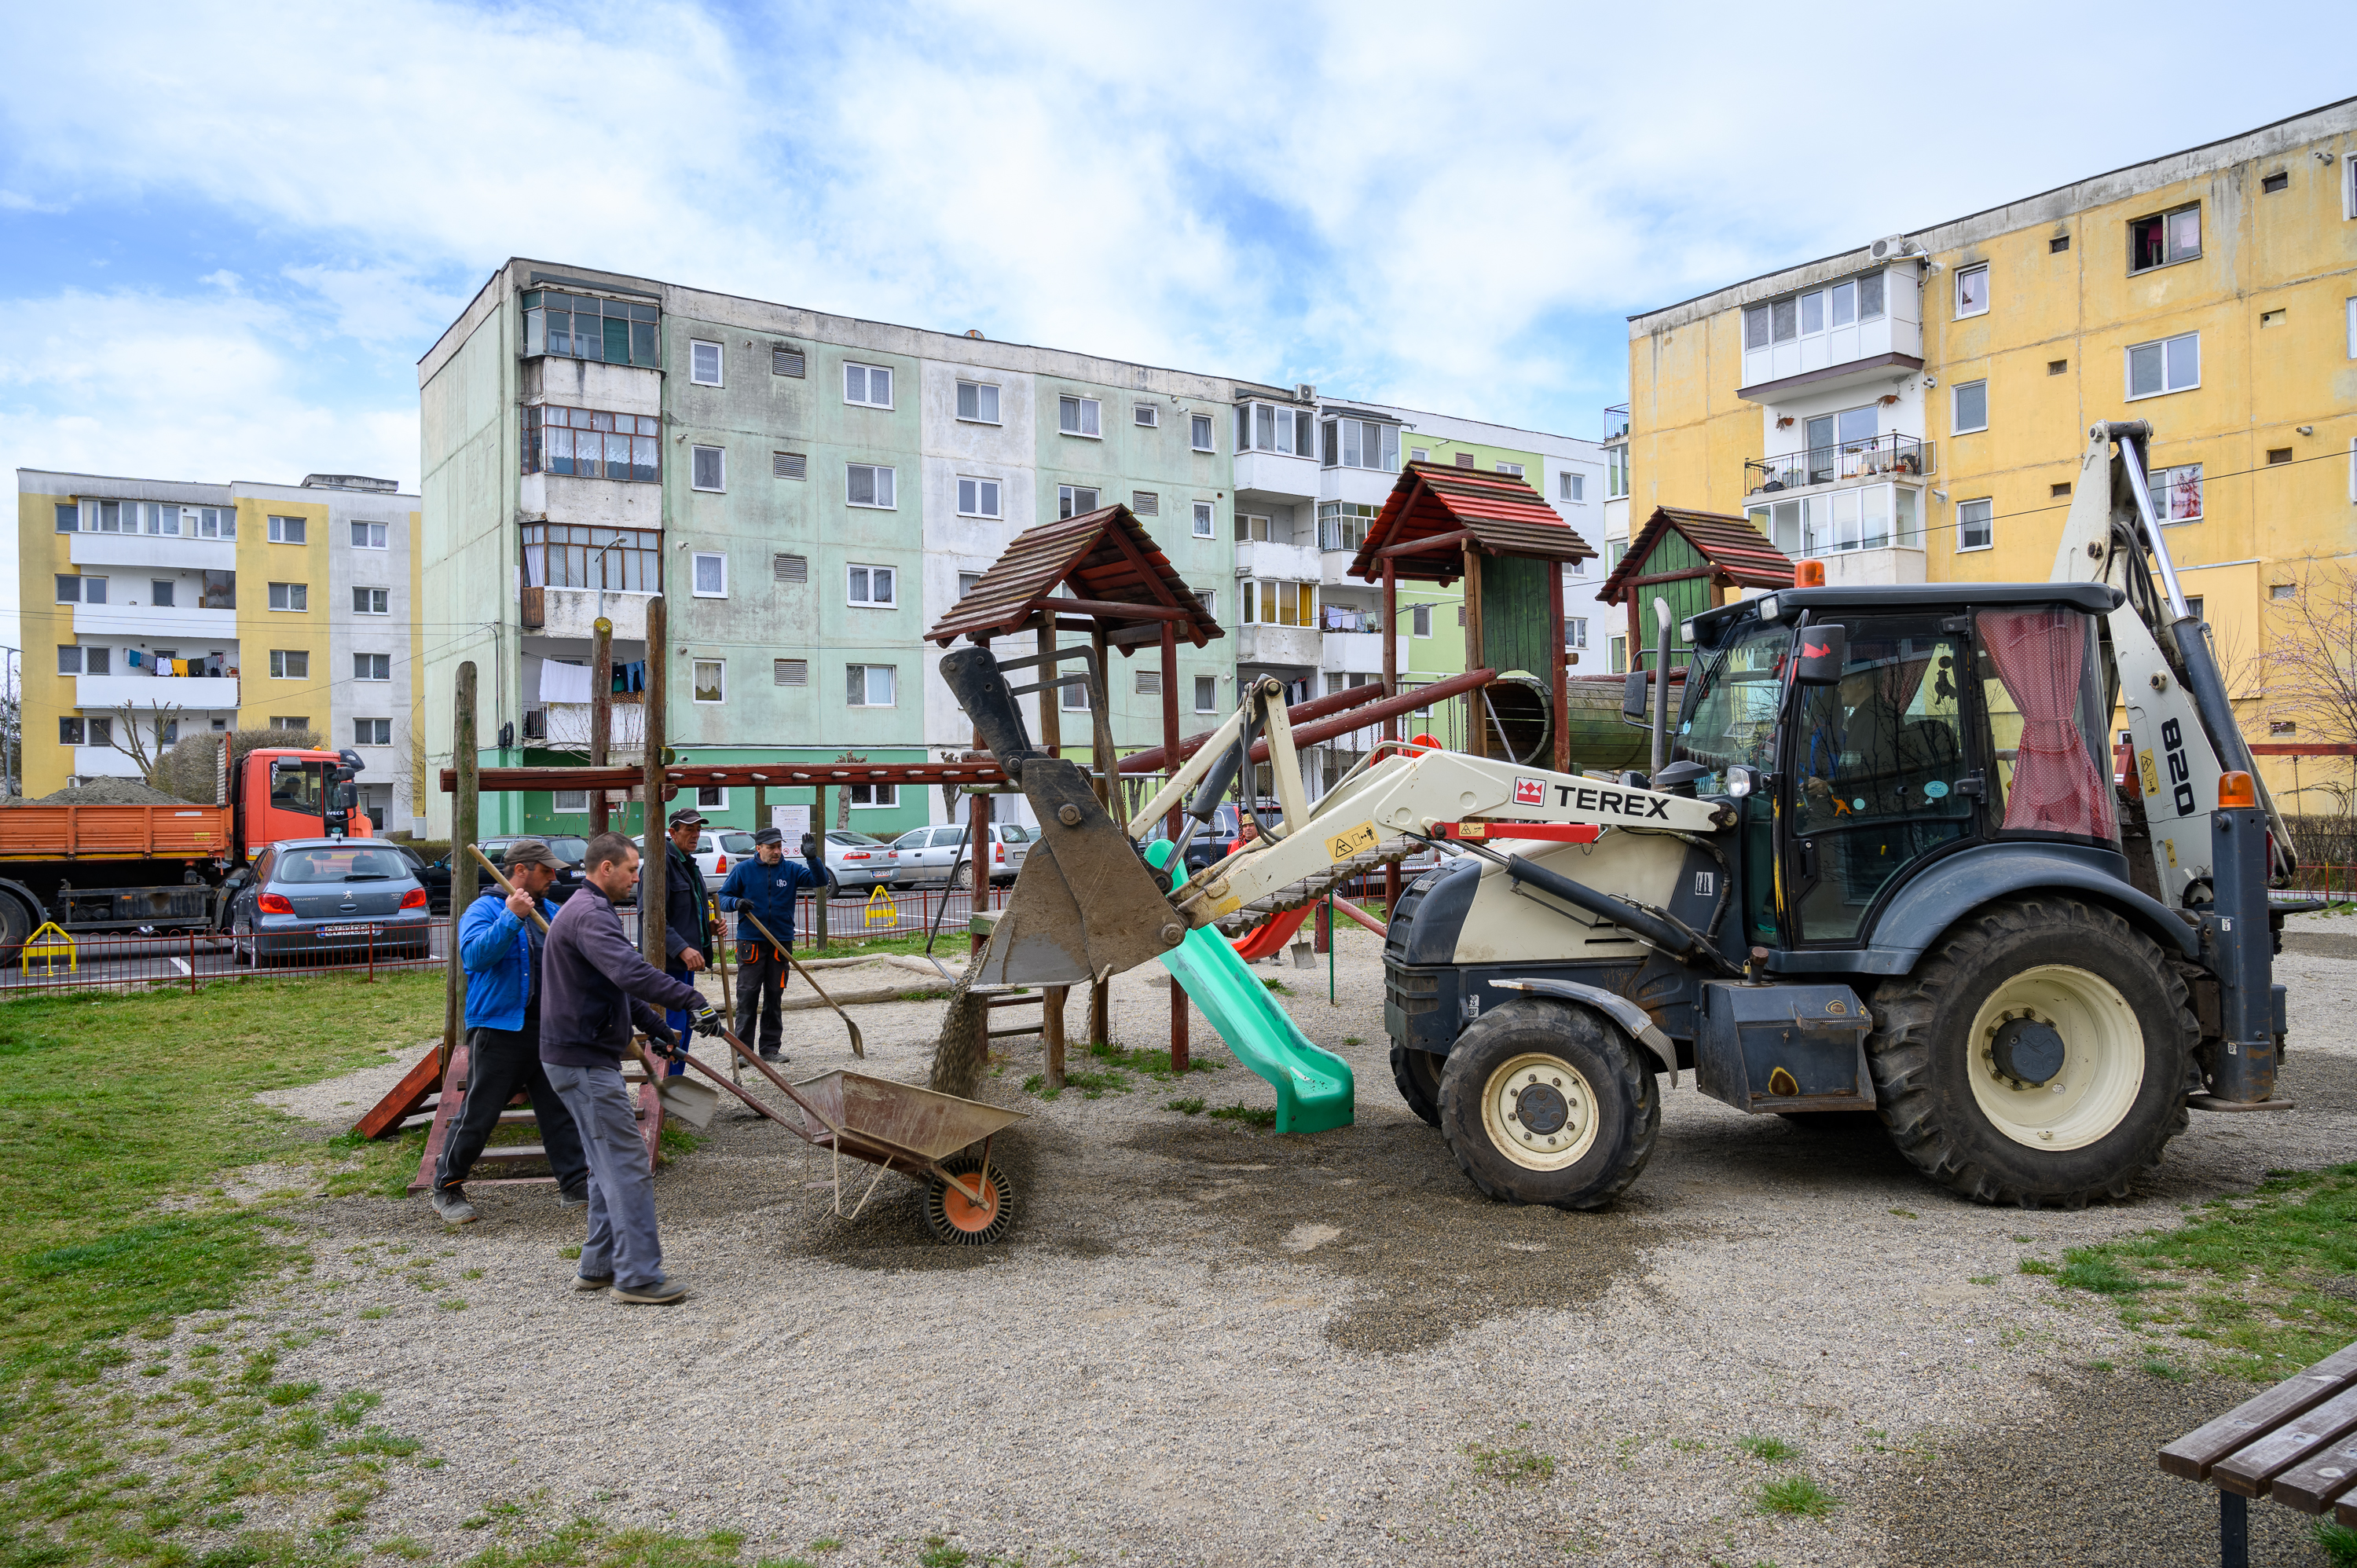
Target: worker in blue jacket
x=500, y=946
x=765, y=887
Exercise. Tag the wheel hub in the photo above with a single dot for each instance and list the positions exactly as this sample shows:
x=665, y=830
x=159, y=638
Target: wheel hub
x=2026, y=1049
x=1539, y=1111
x=1541, y=1108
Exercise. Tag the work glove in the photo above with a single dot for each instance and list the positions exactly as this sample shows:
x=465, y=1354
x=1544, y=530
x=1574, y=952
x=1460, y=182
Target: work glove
x=705, y=1019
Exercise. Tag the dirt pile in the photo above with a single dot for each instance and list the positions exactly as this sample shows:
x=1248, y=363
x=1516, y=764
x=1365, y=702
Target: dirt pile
x=106, y=792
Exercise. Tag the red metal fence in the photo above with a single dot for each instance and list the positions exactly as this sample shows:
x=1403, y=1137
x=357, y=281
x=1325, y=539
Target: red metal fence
x=107, y=962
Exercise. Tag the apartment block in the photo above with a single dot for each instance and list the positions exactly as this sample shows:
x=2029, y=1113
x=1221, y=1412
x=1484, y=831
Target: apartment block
x=1913, y=409
x=153, y=609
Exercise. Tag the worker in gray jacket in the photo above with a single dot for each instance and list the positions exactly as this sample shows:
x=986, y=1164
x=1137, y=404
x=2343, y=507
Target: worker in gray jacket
x=597, y=989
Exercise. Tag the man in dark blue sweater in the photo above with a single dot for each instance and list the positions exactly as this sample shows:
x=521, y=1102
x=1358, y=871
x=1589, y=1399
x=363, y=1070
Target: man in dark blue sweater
x=598, y=990
x=765, y=889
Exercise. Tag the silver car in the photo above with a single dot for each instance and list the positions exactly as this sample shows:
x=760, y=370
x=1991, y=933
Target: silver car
x=924, y=856
x=860, y=860
x=348, y=896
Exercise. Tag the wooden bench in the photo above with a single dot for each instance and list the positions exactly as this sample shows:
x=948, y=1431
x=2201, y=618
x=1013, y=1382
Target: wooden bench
x=2296, y=1444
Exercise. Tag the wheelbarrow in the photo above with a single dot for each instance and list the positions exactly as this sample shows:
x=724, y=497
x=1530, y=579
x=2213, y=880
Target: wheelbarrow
x=920, y=1133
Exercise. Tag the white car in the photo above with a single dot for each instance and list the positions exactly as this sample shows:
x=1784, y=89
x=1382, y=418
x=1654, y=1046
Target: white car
x=717, y=849
x=924, y=855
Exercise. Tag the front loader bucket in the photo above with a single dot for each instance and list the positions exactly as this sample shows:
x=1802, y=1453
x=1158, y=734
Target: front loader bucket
x=1084, y=905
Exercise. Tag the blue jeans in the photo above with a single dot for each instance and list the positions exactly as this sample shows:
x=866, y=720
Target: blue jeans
x=678, y=1021
x=621, y=1240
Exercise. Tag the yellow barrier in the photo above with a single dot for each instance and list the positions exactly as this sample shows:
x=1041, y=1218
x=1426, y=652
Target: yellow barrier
x=48, y=951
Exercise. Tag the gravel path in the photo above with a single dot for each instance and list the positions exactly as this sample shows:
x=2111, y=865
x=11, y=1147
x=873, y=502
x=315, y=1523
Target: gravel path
x=1203, y=1344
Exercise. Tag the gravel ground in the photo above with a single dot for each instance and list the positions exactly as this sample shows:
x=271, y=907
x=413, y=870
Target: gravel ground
x=1203, y=1344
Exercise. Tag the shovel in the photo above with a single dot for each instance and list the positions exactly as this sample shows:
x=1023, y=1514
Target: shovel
x=858, y=1046
x=692, y=1102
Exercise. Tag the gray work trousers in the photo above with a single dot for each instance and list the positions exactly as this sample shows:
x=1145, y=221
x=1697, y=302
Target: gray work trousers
x=622, y=1240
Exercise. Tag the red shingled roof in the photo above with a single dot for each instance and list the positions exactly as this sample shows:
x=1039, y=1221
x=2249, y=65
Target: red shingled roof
x=1106, y=555
x=1496, y=514
x=1739, y=555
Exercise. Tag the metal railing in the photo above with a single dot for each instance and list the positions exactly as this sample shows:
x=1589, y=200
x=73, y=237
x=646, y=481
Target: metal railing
x=1902, y=456
x=1616, y=422
x=103, y=961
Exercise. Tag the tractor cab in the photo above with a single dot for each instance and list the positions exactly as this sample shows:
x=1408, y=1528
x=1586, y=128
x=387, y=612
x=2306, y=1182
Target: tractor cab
x=1866, y=733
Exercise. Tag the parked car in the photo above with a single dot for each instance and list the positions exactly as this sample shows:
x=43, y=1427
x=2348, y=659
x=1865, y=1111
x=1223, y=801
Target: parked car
x=860, y=860
x=571, y=848
x=717, y=849
x=432, y=875
x=342, y=896
x=923, y=856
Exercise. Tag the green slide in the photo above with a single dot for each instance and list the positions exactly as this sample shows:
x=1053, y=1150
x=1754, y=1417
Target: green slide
x=1314, y=1086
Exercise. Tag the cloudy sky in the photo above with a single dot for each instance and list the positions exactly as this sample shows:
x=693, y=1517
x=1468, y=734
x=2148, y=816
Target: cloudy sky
x=229, y=231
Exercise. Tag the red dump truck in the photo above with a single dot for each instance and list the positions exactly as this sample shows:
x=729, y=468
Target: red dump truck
x=167, y=868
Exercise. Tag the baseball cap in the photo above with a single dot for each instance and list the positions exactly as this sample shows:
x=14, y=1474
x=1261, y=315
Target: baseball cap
x=767, y=835
x=530, y=852
x=687, y=817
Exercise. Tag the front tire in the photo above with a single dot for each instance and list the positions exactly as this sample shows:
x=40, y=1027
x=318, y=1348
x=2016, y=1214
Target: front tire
x=2086, y=1002
x=1417, y=1073
x=1547, y=1102
x=955, y=1218
x=962, y=880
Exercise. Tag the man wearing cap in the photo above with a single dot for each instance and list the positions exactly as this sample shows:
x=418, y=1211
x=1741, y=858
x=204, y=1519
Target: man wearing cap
x=765, y=889
x=500, y=946
x=687, y=932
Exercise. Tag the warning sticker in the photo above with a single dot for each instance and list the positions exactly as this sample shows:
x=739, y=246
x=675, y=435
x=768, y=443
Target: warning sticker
x=1530, y=792
x=1356, y=840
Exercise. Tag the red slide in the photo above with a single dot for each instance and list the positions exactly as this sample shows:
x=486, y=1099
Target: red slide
x=1271, y=935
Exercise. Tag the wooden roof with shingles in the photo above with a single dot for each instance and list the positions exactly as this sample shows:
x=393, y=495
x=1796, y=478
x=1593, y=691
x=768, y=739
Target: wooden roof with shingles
x=1739, y=554
x=1451, y=508
x=1109, y=560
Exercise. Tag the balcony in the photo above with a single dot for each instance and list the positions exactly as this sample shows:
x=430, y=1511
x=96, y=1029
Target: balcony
x=1299, y=646
x=573, y=613
x=1287, y=563
x=146, y=623
x=181, y=553
x=1616, y=424
x=189, y=693
x=1278, y=475
x=1901, y=456
x=1852, y=331
x=1358, y=652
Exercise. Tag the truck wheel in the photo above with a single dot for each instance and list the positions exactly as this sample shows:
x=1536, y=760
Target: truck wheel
x=2039, y=1055
x=16, y=923
x=1417, y=1073
x=1545, y=1103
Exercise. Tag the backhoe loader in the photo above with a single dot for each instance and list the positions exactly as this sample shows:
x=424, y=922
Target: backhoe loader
x=1880, y=864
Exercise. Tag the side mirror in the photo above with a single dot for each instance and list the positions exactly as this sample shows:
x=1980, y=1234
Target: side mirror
x=350, y=795
x=1824, y=651
x=1634, y=705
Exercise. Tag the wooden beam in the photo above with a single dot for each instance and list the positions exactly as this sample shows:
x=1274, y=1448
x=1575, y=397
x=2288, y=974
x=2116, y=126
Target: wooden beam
x=465, y=829
x=601, y=713
x=1170, y=738
x=654, y=850
x=1116, y=609
x=1430, y=541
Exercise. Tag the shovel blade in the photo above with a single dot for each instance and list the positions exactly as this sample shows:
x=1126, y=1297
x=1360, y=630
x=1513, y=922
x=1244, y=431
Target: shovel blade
x=691, y=1101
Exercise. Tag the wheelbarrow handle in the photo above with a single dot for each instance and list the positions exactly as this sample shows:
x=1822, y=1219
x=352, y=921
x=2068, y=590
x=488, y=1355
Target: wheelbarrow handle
x=753, y=1059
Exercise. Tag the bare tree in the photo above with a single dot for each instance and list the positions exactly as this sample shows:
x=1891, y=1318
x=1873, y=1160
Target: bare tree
x=2312, y=661
x=144, y=736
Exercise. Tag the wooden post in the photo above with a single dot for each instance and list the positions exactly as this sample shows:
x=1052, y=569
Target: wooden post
x=464, y=827
x=1561, y=696
x=1324, y=939
x=654, y=859
x=602, y=715
x=1051, y=740
x=978, y=847
x=1170, y=738
x=1109, y=794
x=819, y=823
x=1391, y=689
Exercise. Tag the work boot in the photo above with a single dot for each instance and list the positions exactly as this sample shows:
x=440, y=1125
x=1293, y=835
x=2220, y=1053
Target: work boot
x=662, y=1292
x=574, y=1197
x=592, y=1281
x=771, y=1054
x=450, y=1203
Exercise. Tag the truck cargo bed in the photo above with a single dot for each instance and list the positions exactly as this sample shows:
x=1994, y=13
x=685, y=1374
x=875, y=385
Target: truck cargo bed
x=113, y=832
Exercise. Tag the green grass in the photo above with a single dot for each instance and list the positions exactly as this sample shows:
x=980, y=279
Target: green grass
x=2247, y=1280
x=1769, y=1450
x=1514, y=1466
x=2339, y=1541
x=1251, y=1115
x=1796, y=1496
x=1090, y=1085
x=1190, y=1105
x=1154, y=1064
x=939, y=1554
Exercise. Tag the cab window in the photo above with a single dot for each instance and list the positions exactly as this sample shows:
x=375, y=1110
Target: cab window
x=296, y=788
x=1731, y=718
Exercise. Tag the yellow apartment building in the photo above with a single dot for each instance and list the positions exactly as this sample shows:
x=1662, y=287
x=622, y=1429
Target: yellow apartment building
x=155, y=609
x=1913, y=410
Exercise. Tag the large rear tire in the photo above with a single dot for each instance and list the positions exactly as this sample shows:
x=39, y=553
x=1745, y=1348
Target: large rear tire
x=1545, y=1102
x=1417, y=1073
x=16, y=923
x=2039, y=1055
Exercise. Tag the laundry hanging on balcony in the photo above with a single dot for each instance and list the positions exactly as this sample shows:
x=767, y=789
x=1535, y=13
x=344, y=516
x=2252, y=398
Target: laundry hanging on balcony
x=564, y=683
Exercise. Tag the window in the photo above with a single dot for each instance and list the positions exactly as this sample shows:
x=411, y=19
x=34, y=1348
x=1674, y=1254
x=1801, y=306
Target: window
x=591, y=443
x=1146, y=416
x=68, y=659
x=978, y=497
x=1200, y=431
x=869, y=386
x=1574, y=486
x=1420, y=619
x=1619, y=655
x=369, y=535
x=1078, y=415
x=873, y=586
x=1616, y=472
x=2283, y=590
x=709, y=571
x=372, y=666
x=1210, y=599
x=1074, y=698
x=69, y=731
x=1146, y=503
x=702, y=363
x=1149, y=682
x=569, y=802
x=371, y=732
x=2172, y=364
x=1249, y=527
x=712, y=798
x=570, y=555
x=786, y=360
x=2177, y=493
x=978, y=402
x=869, y=686
x=290, y=596
x=578, y=326
x=789, y=465
x=2058, y=367
x=1513, y=470
x=2165, y=239
x=710, y=680
x=371, y=601
x=1575, y=631
x=1204, y=521
x=875, y=794
x=291, y=664
x=790, y=671
x=710, y=471
x=1265, y=427
x=1366, y=444
x=290, y=721
x=1075, y=500
x=1286, y=603
x=2278, y=455
x=968, y=582
x=2058, y=491
x=2282, y=727
x=2057, y=245
x=287, y=530
x=68, y=517
x=1972, y=407
x=159, y=593
x=2352, y=320
x=1972, y=292
x=1973, y=525
x=2270, y=184
x=1207, y=694
x=868, y=484
x=789, y=568
x=1419, y=454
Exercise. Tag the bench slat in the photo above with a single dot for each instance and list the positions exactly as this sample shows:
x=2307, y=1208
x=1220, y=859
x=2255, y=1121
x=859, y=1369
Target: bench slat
x=2191, y=1456
x=2312, y=1484
x=2249, y=1469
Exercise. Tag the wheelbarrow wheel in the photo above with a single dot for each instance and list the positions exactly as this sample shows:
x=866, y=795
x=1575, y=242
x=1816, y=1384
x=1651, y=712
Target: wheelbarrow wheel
x=956, y=1219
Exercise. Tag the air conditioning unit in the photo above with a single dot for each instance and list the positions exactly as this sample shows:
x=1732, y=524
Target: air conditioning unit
x=1895, y=245
x=1303, y=392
